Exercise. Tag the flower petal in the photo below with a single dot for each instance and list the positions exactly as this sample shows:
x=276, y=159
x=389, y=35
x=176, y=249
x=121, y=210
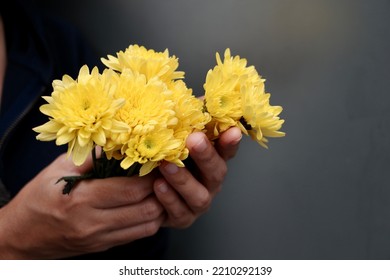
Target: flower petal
x=80, y=153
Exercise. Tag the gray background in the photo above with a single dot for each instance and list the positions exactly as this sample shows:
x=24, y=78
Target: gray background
x=323, y=191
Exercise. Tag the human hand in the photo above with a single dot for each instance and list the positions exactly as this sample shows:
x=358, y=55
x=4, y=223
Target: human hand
x=187, y=194
x=42, y=223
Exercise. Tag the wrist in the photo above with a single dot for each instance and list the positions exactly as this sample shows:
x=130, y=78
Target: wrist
x=10, y=243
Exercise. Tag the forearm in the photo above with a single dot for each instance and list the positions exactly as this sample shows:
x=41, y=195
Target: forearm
x=18, y=239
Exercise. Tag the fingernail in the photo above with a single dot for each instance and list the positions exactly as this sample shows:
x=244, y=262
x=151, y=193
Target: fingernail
x=200, y=146
x=171, y=168
x=237, y=140
x=163, y=188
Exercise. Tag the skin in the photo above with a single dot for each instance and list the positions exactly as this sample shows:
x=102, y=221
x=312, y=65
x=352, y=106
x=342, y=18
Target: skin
x=184, y=196
x=42, y=223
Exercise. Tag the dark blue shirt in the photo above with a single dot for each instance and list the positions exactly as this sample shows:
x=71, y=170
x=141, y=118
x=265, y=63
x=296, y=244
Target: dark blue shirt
x=41, y=48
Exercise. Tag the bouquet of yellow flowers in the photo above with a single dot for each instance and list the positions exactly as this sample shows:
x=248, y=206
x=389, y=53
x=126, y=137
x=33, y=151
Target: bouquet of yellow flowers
x=139, y=111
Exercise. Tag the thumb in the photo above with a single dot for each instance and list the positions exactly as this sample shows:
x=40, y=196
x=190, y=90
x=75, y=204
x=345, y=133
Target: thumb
x=228, y=143
x=66, y=163
x=86, y=166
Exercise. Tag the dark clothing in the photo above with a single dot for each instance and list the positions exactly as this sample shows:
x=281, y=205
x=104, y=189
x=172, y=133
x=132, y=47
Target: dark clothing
x=41, y=48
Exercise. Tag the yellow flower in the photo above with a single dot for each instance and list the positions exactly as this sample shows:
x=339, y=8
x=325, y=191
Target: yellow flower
x=149, y=112
x=190, y=114
x=148, y=105
x=150, y=149
x=223, y=91
x=235, y=96
x=141, y=112
x=222, y=100
x=81, y=113
x=261, y=119
x=188, y=108
x=236, y=66
x=145, y=61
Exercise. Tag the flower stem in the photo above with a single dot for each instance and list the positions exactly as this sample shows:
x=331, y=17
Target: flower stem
x=102, y=168
x=72, y=180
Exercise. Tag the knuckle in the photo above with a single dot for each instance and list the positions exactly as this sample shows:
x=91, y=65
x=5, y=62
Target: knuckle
x=122, y=218
x=169, y=202
x=61, y=213
x=221, y=173
x=218, y=175
x=203, y=202
x=77, y=236
x=133, y=194
x=150, y=210
x=182, y=219
x=185, y=222
x=180, y=180
x=179, y=215
x=207, y=156
x=224, y=170
x=77, y=242
x=151, y=228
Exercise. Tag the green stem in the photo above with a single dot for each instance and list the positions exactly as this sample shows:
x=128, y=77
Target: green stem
x=72, y=180
x=94, y=160
x=133, y=169
x=102, y=168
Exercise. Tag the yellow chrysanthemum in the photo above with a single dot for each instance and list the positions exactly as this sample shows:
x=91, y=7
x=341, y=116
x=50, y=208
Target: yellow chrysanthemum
x=222, y=91
x=140, y=111
x=81, y=113
x=148, y=104
x=189, y=109
x=234, y=65
x=149, y=111
x=150, y=149
x=190, y=114
x=222, y=100
x=146, y=61
x=261, y=119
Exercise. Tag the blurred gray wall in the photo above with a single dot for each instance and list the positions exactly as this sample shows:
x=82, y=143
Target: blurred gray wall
x=323, y=191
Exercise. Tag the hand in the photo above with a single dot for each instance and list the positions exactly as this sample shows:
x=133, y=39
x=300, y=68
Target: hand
x=187, y=194
x=41, y=222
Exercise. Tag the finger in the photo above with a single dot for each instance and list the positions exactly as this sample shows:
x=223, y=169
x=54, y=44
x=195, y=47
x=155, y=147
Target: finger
x=211, y=165
x=113, y=192
x=125, y=235
x=130, y=215
x=228, y=143
x=67, y=164
x=179, y=214
x=194, y=193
